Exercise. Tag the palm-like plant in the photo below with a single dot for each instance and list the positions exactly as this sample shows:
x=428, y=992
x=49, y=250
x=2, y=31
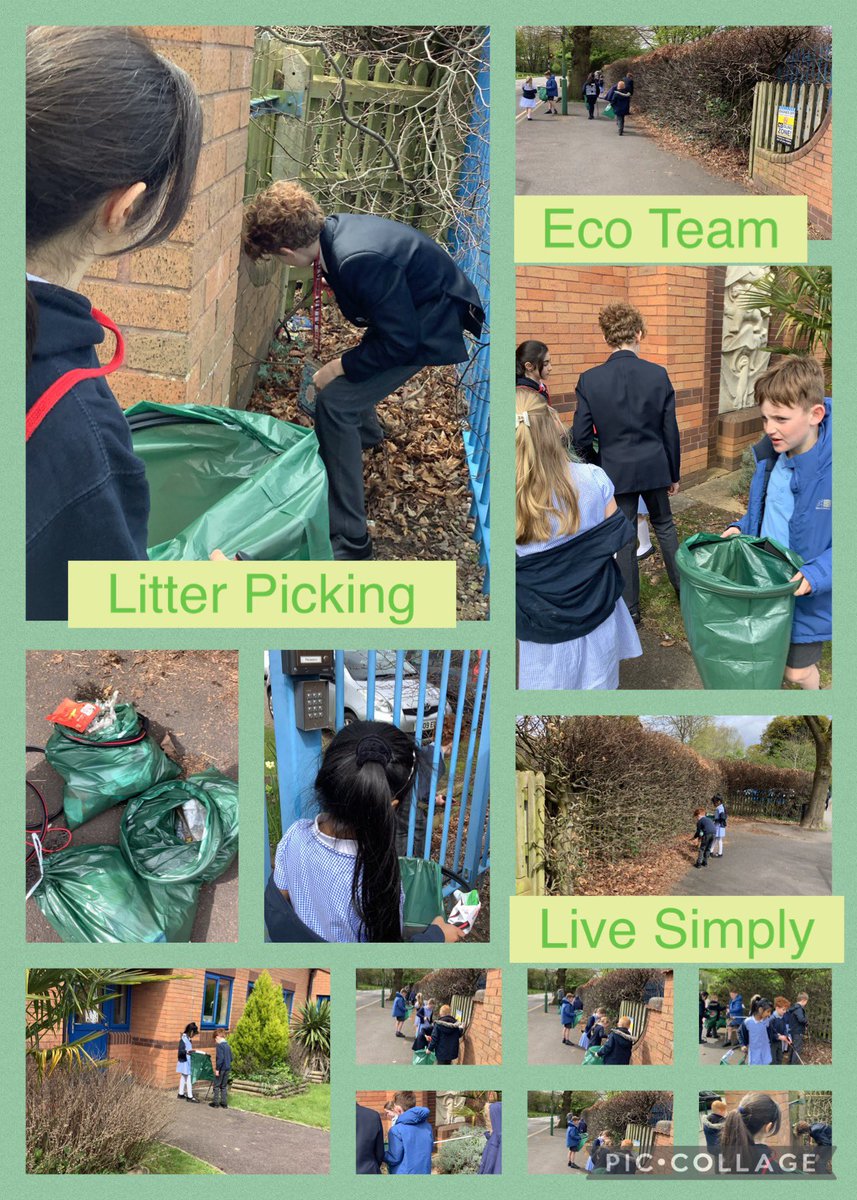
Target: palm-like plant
x=801, y=298
x=55, y=995
x=312, y=1034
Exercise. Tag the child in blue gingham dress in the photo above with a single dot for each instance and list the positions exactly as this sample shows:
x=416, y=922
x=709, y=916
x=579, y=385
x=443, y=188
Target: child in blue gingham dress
x=317, y=871
x=340, y=871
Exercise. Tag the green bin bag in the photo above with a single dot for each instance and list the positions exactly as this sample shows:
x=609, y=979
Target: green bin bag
x=91, y=894
x=200, y=1066
x=157, y=852
x=592, y=1059
x=105, y=768
x=424, y=1058
x=737, y=605
x=423, y=885
x=230, y=480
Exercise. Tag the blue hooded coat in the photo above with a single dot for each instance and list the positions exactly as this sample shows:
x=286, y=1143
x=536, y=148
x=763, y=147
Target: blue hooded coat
x=400, y=1008
x=410, y=1143
x=811, y=526
x=566, y=1013
x=491, y=1162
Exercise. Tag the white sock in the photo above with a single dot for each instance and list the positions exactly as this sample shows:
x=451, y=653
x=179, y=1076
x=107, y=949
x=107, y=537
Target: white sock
x=644, y=537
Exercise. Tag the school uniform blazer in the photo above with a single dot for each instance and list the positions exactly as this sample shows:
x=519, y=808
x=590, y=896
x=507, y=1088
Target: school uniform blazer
x=370, y=1141
x=631, y=403
x=403, y=288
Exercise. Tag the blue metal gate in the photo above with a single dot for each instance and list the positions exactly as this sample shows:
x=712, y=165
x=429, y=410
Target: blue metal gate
x=470, y=248
x=425, y=692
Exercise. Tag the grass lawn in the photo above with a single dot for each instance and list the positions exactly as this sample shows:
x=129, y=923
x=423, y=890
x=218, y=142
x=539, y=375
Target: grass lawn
x=168, y=1160
x=312, y=1108
x=658, y=602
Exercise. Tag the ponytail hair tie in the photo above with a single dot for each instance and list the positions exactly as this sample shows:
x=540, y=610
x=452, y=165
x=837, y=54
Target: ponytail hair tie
x=522, y=418
x=373, y=749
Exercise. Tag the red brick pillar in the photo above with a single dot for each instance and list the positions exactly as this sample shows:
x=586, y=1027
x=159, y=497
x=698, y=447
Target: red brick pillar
x=175, y=303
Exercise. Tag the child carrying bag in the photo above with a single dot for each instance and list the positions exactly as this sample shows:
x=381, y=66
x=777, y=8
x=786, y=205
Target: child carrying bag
x=424, y=1058
x=592, y=1058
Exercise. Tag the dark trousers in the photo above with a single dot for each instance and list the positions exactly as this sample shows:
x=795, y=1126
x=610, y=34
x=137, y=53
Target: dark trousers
x=705, y=843
x=620, y=122
x=590, y=104
x=660, y=514
x=346, y=425
x=221, y=1083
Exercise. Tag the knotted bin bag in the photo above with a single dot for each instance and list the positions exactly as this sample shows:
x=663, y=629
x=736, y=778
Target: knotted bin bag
x=102, y=769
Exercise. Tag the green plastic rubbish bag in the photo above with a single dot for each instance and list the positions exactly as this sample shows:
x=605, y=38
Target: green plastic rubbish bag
x=105, y=768
x=424, y=1058
x=592, y=1059
x=737, y=605
x=230, y=480
x=91, y=894
x=150, y=836
x=200, y=1066
x=423, y=885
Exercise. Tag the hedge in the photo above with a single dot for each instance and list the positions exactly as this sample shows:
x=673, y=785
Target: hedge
x=703, y=91
x=757, y=790
x=609, y=989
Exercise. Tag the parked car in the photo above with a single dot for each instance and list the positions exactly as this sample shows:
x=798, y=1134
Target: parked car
x=357, y=692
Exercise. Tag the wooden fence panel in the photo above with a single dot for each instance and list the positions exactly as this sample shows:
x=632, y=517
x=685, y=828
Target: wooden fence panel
x=530, y=824
x=811, y=101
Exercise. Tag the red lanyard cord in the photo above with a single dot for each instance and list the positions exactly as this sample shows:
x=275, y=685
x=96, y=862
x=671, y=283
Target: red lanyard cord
x=66, y=382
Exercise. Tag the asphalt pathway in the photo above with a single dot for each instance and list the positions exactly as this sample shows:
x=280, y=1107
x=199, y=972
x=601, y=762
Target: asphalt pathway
x=661, y=667
x=547, y=1155
x=245, y=1143
x=765, y=859
x=544, y=1036
x=376, y=1032
x=574, y=156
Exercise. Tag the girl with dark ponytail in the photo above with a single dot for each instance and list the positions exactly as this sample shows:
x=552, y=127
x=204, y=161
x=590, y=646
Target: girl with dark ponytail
x=533, y=367
x=113, y=138
x=757, y=1115
x=340, y=871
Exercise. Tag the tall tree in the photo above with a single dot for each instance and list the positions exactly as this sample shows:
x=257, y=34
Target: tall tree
x=787, y=742
x=581, y=57
x=685, y=728
x=821, y=729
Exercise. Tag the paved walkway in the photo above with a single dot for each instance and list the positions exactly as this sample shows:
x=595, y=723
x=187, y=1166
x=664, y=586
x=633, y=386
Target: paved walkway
x=659, y=667
x=544, y=1036
x=245, y=1143
x=547, y=1155
x=376, y=1032
x=574, y=156
x=765, y=859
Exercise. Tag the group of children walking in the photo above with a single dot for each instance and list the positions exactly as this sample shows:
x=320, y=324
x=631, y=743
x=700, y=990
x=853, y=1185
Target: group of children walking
x=222, y=1067
x=771, y=1034
x=440, y=1034
x=612, y=1047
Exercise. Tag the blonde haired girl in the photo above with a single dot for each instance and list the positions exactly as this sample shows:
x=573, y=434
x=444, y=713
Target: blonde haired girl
x=557, y=502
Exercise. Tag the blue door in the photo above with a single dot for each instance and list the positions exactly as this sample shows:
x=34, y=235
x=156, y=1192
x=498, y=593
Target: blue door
x=83, y=1025
x=113, y=1014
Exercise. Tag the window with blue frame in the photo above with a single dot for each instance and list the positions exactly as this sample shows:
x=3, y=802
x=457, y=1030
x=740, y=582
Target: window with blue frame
x=216, y=1001
x=288, y=998
x=321, y=999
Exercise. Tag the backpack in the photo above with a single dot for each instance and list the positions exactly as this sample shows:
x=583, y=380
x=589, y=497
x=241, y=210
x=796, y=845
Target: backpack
x=182, y=1052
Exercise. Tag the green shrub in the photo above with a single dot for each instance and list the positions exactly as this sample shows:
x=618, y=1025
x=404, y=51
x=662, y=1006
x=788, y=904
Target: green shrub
x=460, y=1156
x=260, y=1040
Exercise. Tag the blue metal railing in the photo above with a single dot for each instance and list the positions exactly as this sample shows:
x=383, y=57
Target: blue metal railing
x=469, y=246
x=429, y=693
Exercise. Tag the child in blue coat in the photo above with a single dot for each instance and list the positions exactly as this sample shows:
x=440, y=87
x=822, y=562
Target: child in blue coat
x=410, y=1141
x=791, y=499
x=567, y=1016
x=574, y=1137
x=400, y=1011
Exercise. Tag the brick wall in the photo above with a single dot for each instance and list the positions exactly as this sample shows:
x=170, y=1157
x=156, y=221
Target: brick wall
x=683, y=310
x=259, y=307
x=160, y=1011
x=175, y=302
x=783, y=1137
x=483, y=1044
x=656, y=1044
x=805, y=172
x=663, y=1140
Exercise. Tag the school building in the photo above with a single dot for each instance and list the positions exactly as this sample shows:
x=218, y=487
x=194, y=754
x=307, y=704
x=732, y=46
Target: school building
x=140, y=1028
x=697, y=327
